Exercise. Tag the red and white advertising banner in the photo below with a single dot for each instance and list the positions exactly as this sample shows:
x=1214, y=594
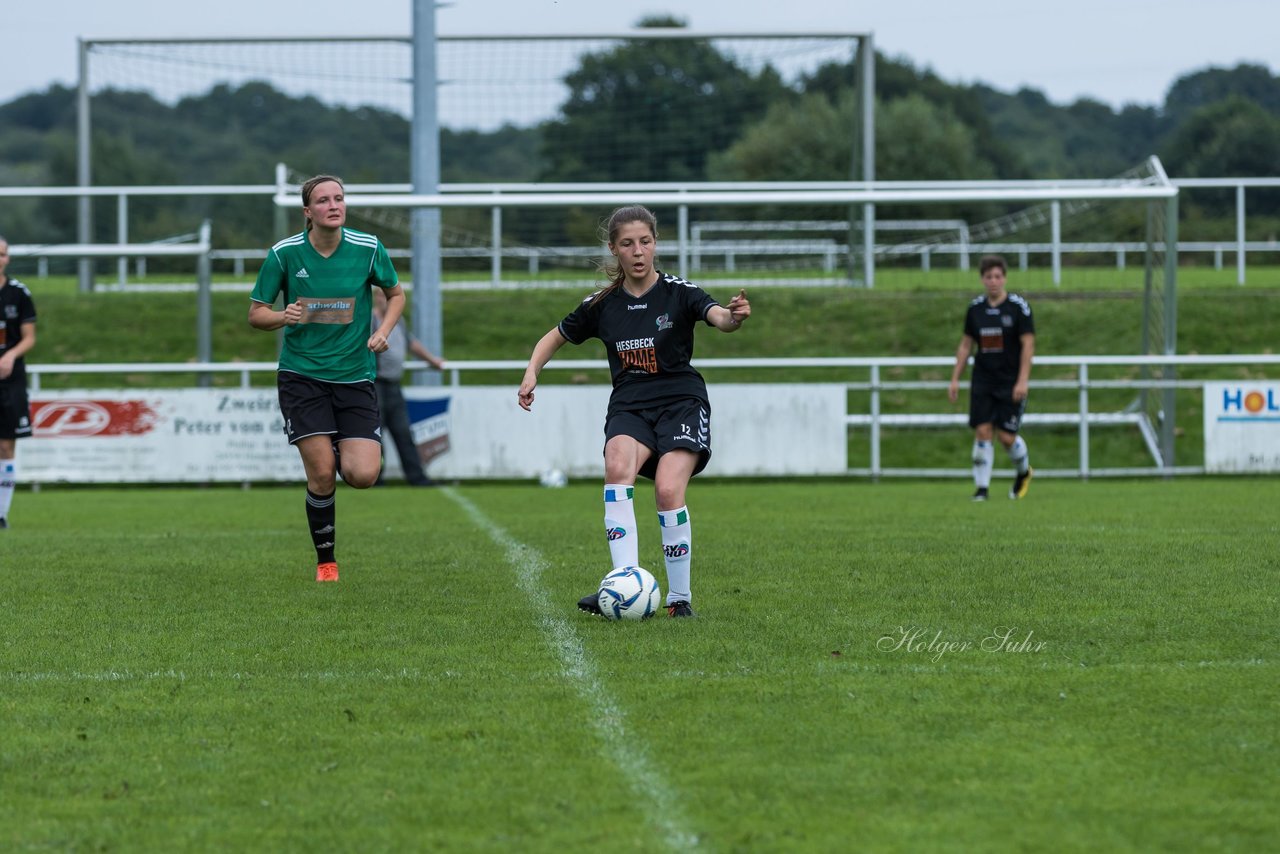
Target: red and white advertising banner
x=188, y=435
x=477, y=432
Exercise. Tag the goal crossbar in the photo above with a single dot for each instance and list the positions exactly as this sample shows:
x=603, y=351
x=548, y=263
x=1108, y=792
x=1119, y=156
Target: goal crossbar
x=606, y=197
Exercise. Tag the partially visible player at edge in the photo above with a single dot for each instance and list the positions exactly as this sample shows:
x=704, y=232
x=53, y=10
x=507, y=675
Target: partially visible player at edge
x=17, y=337
x=328, y=361
x=999, y=326
x=658, y=423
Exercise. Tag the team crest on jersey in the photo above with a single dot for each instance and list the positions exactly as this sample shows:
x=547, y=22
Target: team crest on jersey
x=664, y=322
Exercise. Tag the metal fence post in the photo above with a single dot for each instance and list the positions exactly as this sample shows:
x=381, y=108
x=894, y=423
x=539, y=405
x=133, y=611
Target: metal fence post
x=875, y=422
x=1240, y=234
x=1084, y=421
x=122, y=236
x=495, y=242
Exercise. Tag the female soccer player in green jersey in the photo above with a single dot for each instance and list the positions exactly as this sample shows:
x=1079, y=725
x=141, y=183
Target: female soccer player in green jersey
x=325, y=380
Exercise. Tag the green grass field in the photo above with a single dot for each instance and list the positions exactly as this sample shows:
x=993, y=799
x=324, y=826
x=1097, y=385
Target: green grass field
x=881, y=667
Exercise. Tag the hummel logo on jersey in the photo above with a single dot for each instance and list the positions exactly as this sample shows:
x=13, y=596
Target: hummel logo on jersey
x=302, y=274
x=638, y=306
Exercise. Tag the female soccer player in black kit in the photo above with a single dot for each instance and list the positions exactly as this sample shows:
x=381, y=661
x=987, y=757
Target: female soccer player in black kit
x=659, y=420
x=17, y=337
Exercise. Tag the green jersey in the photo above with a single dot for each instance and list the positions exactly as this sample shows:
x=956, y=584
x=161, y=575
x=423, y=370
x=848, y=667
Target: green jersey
x=331, y=341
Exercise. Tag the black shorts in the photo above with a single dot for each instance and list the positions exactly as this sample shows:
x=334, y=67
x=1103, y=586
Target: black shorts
x=994, y=404
x=15, y=411
x=682, y=424
x=314, y=407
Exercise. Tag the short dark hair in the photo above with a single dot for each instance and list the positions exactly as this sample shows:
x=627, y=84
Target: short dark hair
x=989, y=261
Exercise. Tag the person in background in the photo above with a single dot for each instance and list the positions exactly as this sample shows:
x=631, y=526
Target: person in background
x=1000, y=332
x=17, y=337
x=658, y=423
x=323, y=276
x=391, y=402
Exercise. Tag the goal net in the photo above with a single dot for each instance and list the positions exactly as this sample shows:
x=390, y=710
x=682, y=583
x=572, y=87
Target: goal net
x=520, y=109
x=486, y=83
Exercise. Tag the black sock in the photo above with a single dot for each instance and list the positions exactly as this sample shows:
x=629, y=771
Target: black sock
x=321, y=514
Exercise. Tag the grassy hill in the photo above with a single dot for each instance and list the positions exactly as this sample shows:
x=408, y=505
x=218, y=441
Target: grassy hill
x=908, y=313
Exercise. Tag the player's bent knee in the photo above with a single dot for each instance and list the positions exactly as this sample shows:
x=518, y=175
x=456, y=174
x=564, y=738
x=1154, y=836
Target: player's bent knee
x=360, y=479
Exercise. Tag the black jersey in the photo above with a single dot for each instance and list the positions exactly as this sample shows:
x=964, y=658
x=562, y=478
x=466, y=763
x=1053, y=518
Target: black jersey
x=648, y=339
x=18, y=308
x=997, y=331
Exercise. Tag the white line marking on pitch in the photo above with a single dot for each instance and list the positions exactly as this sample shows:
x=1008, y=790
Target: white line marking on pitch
x=607, y=718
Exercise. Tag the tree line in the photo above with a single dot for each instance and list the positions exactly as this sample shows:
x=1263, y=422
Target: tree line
x=730, y=124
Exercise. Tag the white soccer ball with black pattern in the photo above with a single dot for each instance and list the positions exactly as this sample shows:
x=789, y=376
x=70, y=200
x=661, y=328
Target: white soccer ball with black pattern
x=629, y=593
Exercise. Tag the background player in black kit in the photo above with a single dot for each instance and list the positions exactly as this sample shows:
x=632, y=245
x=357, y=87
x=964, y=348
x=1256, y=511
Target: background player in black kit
x=17, y=337
x=659, y=420
x=999, y=330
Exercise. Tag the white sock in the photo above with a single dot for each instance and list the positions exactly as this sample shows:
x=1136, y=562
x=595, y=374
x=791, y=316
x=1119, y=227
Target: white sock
x=620, y=524
x=8, y=477
x=1018, y=454
x=983, y=457
x=677, y=549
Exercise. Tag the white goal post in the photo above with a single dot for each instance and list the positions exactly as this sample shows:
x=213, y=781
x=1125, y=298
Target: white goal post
x=852, y=193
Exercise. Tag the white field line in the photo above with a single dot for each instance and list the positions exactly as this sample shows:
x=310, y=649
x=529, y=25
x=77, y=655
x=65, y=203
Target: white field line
x=606, y=717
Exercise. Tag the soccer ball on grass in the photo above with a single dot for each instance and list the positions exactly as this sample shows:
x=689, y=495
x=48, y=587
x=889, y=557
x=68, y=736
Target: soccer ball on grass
x=553, y=479
x=629, y=593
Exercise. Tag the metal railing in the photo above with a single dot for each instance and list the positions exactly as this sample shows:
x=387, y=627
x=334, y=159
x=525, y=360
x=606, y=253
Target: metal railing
x=498, y=197
x=1236, y=244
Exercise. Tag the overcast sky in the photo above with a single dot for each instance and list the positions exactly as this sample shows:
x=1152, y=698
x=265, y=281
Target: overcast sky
x=1115, y=51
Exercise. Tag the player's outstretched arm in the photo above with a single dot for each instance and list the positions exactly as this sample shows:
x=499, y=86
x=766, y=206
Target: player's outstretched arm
x=542, y=353
x=729, y=318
